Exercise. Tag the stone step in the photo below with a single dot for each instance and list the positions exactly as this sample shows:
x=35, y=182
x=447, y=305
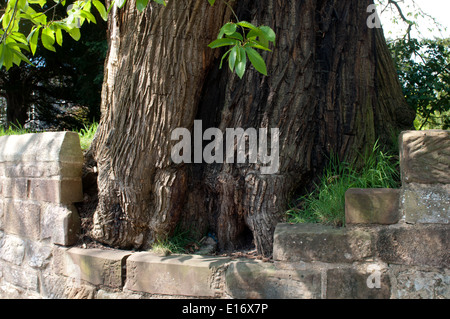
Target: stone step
x=372, y=206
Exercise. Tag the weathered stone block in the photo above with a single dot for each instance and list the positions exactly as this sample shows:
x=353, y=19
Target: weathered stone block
x=22, y=277
x=56, y=191
x=414, y=283
x=38, y=254
x=351, y=283
x=252, y=279
x=61, y=223
x=372, y=206
x=53, y=286
x=41, y=147
x=315, y=242
x=184, y=275
x=426, y=203
x=425, y=157
x=2, y=209
x=96, y=266
x=22, y=217
x=12, y=249
x=15, y=188
x=420, y=245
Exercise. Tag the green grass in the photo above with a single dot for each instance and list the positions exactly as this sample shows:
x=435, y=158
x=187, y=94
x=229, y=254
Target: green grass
x=86, y=135
x=326, y=204
x=180, y=242
x=13, y=130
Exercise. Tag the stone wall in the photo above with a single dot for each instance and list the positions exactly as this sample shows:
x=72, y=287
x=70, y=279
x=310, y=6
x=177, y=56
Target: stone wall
x=395, y=244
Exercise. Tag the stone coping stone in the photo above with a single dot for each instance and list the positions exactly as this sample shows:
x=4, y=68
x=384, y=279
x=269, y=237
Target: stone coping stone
x=372, y=206
x=415, y=245
x=425, y=156
x=316, y=242
x=96, y=266
x=253, y=279
x=182, y=275
x=41, y=147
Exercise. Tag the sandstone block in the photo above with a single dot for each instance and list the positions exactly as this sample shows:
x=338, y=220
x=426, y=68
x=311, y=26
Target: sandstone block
x=55, y=190
x=412, y=283
x=184, y=275
x=419, y=245
x=15, y=188
x=96, y=266
x=22, y=217
x=61, y=223
x=354, y=283
x=22, y=277
x=44, y=169
x=315, y=242
x=372, y=206
x=2, y=209
x=12, y=249
x=41, y=147
x=253, y=279
x=38, y=254
x=425, y=203
x=425, y=157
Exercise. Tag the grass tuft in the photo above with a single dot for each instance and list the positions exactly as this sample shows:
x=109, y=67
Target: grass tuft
x=180, y=242
x=13, y=130
x=326, y=204
x=86, y=135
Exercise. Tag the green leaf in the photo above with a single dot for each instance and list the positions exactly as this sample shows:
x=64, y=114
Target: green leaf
x=101, y=9
x=19, y=37
x=257, y=45
x=241, y=63
x=6, y=56
x=236, y=36
x=247, y=25
x=33, y=40
x=268, y=33
x=256, y=60
x=222, y=42
x=223, y=58
x=211, y=2
x=5, y=19
x=141, y=4
x=48, y=39
x=229, y=28
x=21, y=57
x=161, y=2
x=40, y=2
x=75, y=34
x=88, y=16
x=59, y=37
x=120, y=3
x=232, y=58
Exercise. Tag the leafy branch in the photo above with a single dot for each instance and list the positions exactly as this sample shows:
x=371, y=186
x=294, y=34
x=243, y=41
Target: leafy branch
x=243, y=44
x=13, y=43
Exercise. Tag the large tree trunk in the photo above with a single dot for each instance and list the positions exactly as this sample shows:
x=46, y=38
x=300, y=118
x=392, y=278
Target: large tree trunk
x=331, y=87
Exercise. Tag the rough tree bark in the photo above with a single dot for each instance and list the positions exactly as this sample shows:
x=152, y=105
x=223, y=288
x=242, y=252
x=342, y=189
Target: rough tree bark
x=332, y=87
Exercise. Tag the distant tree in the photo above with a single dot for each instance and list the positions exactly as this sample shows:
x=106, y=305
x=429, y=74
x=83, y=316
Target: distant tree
x=62, y=88
x=423, y=67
